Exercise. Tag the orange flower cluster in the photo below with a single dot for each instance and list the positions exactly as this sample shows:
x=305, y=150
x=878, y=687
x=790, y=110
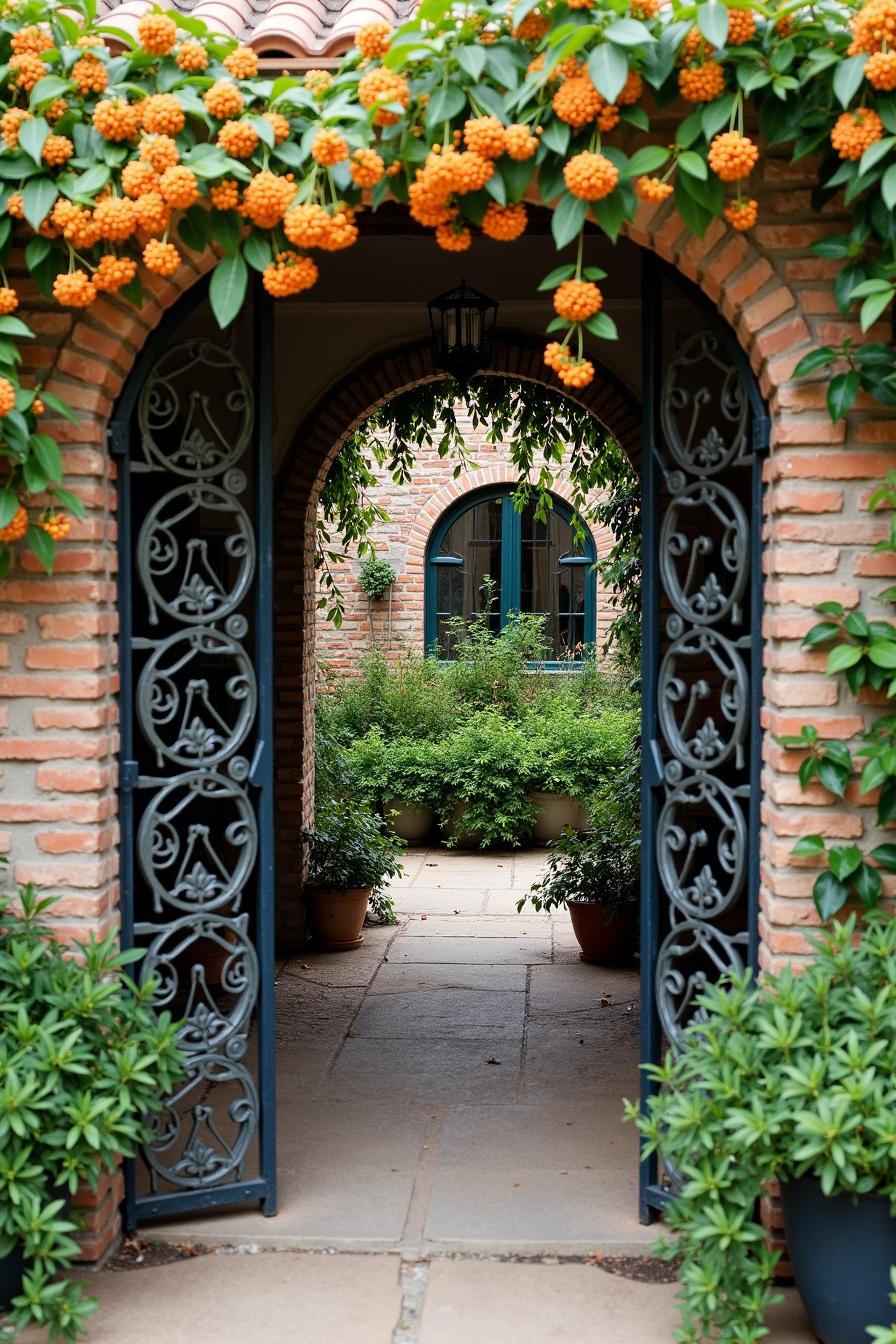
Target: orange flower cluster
x=590, y=176
x=329, y=148
x=701, y=83
x=289, y=273
x=854, y=131
x=238, y=138
x=113, y=273
x=157, y=34
x=504, y=223
x=312, y=226
x=56, y=525
x=653, y=189
x=179, y=187
x=742, y=213
x=116, y=119
x=90, y=75
x=452, y=236
x=267, y=198
x=7, y=397
x=162, y=258
x=9, y=300
x=732, y=156
x=741, y=27
x=880, y=70
x=873, y=27
x=242, y=63
x=223, y=99
x=519, y=142
x=162, y=114
x=383, y=86
x=367, y=168
x=575, y=373
x=159, y=151
x=485, y=136
x=192, y=57
x=57, y=150
x=577, y=300
x=75, y=290
x=11, y=123
x=16, y=528
x=373, y=40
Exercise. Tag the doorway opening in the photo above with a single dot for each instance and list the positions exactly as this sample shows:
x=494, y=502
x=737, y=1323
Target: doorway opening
x=218, y=607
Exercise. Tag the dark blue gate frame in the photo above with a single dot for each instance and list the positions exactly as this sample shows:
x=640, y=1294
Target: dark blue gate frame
x=263, y=1187
x=655, y=275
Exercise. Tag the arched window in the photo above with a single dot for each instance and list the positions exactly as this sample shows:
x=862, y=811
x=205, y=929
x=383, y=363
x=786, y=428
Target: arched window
x=483, y=544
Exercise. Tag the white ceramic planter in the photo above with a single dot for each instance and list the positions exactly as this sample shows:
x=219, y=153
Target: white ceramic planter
x=554, y=812
x=412, y=824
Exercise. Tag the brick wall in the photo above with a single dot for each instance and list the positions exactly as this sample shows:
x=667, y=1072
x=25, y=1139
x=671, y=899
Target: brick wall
x=414, y=509
x=58, y=654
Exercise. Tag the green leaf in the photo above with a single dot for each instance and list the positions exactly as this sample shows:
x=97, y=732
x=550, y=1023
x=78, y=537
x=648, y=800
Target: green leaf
x=445, y=103
x=608, y=68
x=842, y=392
x=611, y=213
x=885, y=855
x=32, y=137
x=629, y=33
x=557, y=276
x=888, y=187
x=832, y=778
x=46, y=450
x=871, y=309
x=87, y=184
x=695, y=216
x=603, y=327
x=848, y=78
x=258, y=251
x=556, y=136
x=38, y=198
x=867, y=885
x=59, y=406
x=48, y=88
x=9, y=504
x=692, y=163
x=829, y=895
x=809, y=847
x=816, y=359
x=42, y=546
x=228, y=288
x=712, y=20
x=471, y=60
x=226, y=227
x=14, y=326
x=843, y=860
x=568, y=219
x=874, y=153
x=193, y=228
x=882, y=653
x=845, y=655
x=501, y=66
x=647, y=160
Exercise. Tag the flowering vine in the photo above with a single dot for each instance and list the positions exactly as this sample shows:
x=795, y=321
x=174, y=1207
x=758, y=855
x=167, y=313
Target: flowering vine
x=118, y=157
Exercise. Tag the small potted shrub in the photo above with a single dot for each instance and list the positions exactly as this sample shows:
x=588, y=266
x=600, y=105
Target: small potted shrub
x=487, y=766
x=574, y=752
x=376, y=577
x=595, y=875
x=793, y=1081
x=403, y=777
x=350, y=857
x=84, y=1060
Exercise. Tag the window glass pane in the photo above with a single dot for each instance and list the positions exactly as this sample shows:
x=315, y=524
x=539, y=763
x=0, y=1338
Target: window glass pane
x=549, y=586
x=474, y=538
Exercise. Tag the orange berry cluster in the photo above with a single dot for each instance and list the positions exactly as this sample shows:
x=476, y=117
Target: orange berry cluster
x=289, y=273
x=855, y=131
x=17, y=526
x=873, y=27
x=653, y=189
x=383, y=86
x=732, y=156
x=56, y=525
x=373, y=40
x=590, y=176
x=577, y=300
x=701, y=83
x=504, y=223
x=7, y=397
x=575, y=373
x=742, y=213
x=266, y=198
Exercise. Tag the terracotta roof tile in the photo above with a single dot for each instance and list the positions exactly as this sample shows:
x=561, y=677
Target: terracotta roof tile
x=300, y=29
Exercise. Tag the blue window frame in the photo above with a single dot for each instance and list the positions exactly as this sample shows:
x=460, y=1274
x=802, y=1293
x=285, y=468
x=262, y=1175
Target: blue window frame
x=482, y=545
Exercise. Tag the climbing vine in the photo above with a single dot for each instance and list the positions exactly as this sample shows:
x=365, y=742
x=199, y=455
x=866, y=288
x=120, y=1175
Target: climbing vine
x=119, y=156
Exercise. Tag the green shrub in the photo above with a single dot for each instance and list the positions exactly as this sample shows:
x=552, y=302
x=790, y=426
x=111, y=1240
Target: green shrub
x=376, y=577
x=492, y=671
x=487, y=765
x=84, y=1060
x=575, y=753
x=349, y=848
x=794, y=1078
x=406, y=770
x=412, y=698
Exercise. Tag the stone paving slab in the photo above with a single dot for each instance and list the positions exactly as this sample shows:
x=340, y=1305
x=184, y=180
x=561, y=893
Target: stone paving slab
x=459, y=870
x=472, y=951
x=465, y=926
x=574, y=992
x=397, y=979
x=432, y=1070
x=559, y=1212
x=537, y=1136
x=316, y=1135
x=462, y=1014
x=438, y=900
x=231, y=1299
x=486, y=1303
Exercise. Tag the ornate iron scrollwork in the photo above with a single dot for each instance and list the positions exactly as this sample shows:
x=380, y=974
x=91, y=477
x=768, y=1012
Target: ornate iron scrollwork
x=703, y=683
x=195, y=712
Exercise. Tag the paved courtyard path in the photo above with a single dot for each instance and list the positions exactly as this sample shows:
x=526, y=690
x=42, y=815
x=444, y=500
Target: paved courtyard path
x=453, y=1164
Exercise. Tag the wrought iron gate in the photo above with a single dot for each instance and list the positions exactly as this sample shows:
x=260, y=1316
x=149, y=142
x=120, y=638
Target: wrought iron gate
x=192, y=436
x=705, y=431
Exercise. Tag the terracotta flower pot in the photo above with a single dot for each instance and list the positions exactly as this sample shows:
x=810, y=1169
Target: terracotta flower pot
x=604, y=937
x=554, y=812
x=412, y=824
x=337, y=917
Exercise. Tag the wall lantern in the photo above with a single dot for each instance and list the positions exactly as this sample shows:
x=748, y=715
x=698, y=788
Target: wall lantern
x=463, y=331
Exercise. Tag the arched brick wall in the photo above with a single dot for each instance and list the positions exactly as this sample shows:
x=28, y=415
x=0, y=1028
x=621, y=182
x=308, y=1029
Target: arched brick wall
x=58, y=650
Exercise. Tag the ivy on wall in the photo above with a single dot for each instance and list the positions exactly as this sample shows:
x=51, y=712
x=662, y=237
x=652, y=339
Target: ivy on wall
x=118, y=157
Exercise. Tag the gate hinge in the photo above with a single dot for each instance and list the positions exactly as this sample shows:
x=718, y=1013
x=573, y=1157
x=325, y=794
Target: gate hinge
x=128, y=775
x=119, y=438
x=762, y=428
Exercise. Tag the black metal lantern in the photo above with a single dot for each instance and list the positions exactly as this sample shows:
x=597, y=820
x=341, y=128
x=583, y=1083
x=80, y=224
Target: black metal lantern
x=463, y=331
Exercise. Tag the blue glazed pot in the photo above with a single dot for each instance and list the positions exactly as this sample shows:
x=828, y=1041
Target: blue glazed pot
x=841, y=1248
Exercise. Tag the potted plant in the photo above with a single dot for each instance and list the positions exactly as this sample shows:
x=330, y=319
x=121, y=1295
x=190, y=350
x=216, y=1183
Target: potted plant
x=376, y=577
x=793, y=1081
x=403, y=777
x=486, y=766
x=84, y=1060
x=595, y=875
x=349, y=858
x=573, y=752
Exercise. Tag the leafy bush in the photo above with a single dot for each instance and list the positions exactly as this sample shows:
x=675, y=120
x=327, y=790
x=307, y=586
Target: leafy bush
x=84, y=1060
x=348, y=848
x=492, y=670
x=411, y=698
x=376, y=577
x=573, y=752
x=797, y=1077
x=406, y=770
x=487, y=766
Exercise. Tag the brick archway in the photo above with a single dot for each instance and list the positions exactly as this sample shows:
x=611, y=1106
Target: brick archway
x=58, y=678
